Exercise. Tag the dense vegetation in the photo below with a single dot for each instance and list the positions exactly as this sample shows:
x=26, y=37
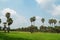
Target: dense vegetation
x=52, y=28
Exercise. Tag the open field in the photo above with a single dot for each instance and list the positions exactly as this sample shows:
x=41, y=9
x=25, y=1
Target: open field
x=29, y=36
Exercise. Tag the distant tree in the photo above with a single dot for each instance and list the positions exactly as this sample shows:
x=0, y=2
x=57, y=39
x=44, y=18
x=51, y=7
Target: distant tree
x=9, y=20
x=43, y=20
x=32, y=19
x=51, y=21
x=55, y=21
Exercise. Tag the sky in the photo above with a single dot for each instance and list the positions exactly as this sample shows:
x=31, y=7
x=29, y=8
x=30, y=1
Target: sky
x=22, y=10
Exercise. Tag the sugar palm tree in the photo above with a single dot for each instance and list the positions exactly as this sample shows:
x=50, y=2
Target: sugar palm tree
x=51, y=22
x=9, y=20
x=55, y=21
x=32, y=19
x=43, y=20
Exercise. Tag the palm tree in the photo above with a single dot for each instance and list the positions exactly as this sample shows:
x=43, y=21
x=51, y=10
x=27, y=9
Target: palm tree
x=55, y=21
x=43, y=20
x=51, y=22
x=32, y=19
x=9, y=20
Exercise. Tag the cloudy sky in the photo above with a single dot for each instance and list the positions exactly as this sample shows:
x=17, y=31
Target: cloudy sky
x=22, y=10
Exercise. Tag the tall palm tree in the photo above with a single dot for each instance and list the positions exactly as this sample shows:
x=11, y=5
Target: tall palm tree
x=9, y=20
x=55, y=21
x=32, y=19
x=43, y=20
x=51, y=22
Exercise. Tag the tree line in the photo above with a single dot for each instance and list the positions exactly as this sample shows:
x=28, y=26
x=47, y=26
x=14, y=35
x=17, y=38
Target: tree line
x=52, y=28
x=32, y=28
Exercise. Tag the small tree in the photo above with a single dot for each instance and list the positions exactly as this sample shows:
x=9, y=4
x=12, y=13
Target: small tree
x=32, y=19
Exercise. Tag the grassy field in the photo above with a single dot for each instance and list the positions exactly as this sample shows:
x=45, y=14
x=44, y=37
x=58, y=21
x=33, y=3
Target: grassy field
x=29, y=36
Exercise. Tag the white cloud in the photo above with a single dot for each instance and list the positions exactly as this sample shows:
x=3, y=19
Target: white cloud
x=43, y=1
x=45, y=4
x=18, y=20
x=49, y=6
x=56, y=11
x=4, y=11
